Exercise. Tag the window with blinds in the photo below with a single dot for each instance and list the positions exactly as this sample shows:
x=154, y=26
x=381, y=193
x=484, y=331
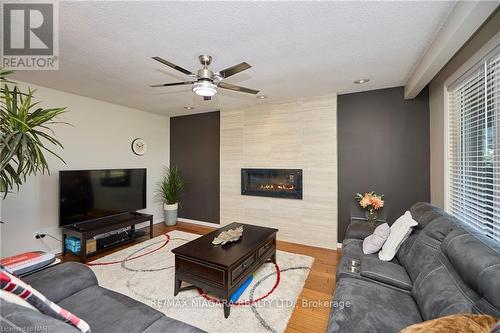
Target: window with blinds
x=474, y=147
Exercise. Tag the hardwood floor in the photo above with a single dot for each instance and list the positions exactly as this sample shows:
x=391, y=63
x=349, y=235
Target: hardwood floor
x=312, y=310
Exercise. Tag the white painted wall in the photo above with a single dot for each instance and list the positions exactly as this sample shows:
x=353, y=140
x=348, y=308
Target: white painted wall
x=100, y=137
x=301, y=134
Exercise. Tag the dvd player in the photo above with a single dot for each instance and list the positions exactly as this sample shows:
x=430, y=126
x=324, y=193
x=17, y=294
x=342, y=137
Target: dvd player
x=111, y=240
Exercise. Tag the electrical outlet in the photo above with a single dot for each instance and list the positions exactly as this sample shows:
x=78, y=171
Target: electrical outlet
x=39, y=235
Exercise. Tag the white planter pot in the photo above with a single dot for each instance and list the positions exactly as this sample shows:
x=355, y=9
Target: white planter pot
x=170, y=213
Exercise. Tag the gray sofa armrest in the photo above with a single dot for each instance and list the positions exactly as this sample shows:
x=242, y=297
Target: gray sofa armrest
x=61, y=281
x=359, y=230
x=385, y=272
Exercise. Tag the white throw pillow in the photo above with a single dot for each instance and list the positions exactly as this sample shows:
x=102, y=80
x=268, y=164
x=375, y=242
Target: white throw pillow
x=374, y=242
x=400, y=231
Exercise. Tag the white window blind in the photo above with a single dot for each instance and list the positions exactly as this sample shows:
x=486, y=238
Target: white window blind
x=474, y=147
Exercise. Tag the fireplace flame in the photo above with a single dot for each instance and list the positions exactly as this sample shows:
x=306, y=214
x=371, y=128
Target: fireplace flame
x=287, y=187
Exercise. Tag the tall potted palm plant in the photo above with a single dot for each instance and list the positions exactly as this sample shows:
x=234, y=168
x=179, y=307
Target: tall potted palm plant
x=170, y=190
x=24, y=136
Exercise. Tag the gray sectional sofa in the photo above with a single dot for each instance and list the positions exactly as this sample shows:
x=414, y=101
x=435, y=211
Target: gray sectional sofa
x=443, y=268
x=74, y=287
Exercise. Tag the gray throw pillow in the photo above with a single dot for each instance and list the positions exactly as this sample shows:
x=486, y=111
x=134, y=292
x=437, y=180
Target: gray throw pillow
x=375, y=241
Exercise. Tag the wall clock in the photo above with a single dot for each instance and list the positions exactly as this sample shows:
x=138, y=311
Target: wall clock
x=139, y=146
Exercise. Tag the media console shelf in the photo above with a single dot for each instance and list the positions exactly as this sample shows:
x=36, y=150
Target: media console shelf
x=88, y=230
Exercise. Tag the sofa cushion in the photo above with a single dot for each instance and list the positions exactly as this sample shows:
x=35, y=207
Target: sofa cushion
x=385, y=272
x=406, y=246
x=108, y=311
x=424, y=213
x=370, y=307
x=440, y=291
x=421, y=247
x=61, y=281
x=477, y=264
x=17, y=318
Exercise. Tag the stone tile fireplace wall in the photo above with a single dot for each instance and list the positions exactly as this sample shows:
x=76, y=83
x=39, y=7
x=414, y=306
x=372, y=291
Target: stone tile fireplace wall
x=301, y=134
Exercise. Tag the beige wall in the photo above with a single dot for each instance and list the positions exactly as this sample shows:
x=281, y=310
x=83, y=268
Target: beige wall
x=300, y=134
x=100, y=137
x=437, y=104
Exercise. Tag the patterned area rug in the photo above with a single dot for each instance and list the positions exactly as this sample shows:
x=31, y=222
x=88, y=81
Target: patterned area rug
x=145, y=272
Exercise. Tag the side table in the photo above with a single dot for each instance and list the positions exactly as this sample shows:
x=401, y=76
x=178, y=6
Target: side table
x=359, y=228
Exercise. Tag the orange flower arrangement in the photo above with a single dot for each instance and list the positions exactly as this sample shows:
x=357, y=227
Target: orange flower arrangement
x=371, y=202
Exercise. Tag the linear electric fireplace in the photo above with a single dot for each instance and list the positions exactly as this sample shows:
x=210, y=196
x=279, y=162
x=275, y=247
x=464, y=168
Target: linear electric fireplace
x=277, y=183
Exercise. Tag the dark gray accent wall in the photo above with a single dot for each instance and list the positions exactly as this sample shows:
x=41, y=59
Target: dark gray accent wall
x=194, y=148
x=383, y=145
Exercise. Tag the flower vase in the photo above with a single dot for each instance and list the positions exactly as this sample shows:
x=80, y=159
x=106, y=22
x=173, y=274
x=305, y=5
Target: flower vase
x=371, y=216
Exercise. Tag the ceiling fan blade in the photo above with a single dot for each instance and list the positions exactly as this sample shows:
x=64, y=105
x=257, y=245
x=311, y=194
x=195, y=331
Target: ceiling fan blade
x=225, y=85
x=171, y=84
x=234, y=70
x=207, y=98
x=174, y=66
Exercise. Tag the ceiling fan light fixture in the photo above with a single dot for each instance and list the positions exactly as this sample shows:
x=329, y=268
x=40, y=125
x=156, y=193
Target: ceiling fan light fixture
x=205, y=88
x=206, y=82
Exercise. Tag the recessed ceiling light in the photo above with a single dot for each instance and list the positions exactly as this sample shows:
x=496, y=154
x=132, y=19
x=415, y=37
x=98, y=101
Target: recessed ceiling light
x=361, y=81
x=261, y=96
x=188, y=107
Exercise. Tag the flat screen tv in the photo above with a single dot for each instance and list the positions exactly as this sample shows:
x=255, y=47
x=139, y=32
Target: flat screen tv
x=89, y=195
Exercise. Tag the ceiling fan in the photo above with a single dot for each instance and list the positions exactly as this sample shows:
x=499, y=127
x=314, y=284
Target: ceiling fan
x=206, y=81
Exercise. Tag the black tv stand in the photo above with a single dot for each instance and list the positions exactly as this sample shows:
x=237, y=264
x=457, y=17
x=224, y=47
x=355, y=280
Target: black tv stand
x=88, y=230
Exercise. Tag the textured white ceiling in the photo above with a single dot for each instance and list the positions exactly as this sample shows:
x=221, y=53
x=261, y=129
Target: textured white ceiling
x=296, y=49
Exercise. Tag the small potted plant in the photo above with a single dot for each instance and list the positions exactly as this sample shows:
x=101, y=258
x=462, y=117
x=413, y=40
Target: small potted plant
x=169, y=190
x=372, y=203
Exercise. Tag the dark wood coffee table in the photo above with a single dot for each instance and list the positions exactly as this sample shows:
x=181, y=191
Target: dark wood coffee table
x=220, y=270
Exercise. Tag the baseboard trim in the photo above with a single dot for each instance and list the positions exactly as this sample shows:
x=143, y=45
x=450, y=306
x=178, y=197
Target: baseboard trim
x=205, y=224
